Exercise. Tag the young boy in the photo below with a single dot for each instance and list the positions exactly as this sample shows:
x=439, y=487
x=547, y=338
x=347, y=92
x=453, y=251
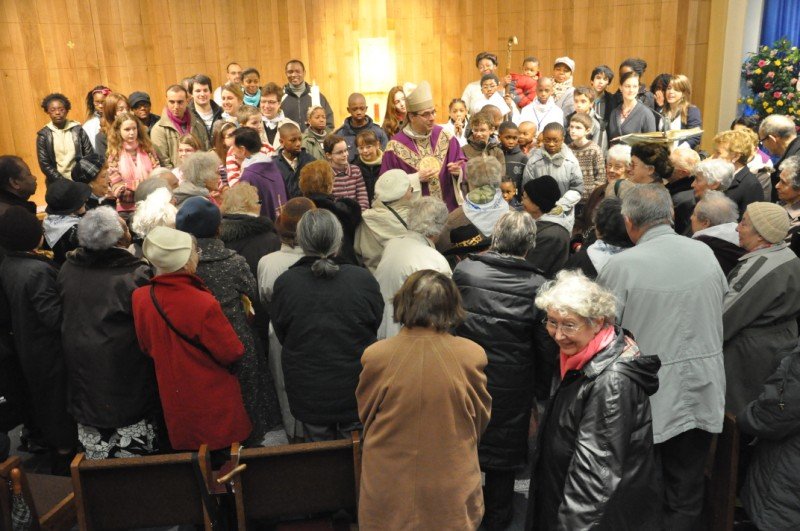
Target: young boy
x=543, y=110
x=522, y=87
x=489, y=85
x=602, y=76
x=251, y=79
x=259, y=170
x=555, y=160
x=358, y=122
x=316, y=132
x=291, y=156
x=479, y=142
x=510, y=190
x=527, y=137
x=515, y=158
x=584, y=99
x=369, y=160
x=589, y=154
x=272, y=116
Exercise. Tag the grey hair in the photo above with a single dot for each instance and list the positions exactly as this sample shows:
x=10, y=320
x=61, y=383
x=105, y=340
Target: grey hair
x=777, y=125
x=158, y=172
x=200, y=167
x=484, y=171
x=100, y=229
x=716, y=171
x=155, y=211
x=684, y=159
x=427, y=216
x=716, y=208
x=792, y=165
x=514, y=234
x=320, y=234
x=620, y=153
x=646, y=205
x=572, y=292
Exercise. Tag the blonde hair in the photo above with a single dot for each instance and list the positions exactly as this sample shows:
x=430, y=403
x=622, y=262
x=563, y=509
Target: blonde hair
x=738, y=141
x=242, y=198
x=115, y=137
x=682, y=84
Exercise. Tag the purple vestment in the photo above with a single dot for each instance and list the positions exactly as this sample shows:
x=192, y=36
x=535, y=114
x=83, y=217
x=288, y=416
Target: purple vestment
x=266, y=177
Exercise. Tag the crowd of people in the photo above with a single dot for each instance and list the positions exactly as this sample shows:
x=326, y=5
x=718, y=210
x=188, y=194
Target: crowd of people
x=239, y=269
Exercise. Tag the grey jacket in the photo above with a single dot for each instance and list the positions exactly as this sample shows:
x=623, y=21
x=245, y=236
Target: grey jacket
x=563, y=167
x=670, y=291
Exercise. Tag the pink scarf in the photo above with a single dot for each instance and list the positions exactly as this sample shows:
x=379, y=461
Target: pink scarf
x=134, y=172
x=183, y=125
x=576, y=362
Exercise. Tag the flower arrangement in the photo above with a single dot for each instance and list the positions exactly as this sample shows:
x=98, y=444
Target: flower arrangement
x=771, y=75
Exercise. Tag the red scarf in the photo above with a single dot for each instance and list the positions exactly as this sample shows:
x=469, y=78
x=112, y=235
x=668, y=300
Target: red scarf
x=576, y=362
x=183, y=125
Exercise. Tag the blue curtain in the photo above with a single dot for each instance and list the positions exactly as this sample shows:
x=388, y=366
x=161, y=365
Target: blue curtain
x=781, y=19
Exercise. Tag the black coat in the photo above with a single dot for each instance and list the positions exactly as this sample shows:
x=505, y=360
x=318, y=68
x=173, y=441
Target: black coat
x=250, y=236
x=216, y=116
x=348, y=212
x=324, y=325
x=370, y=174
x=111, y=382
x=291, y=177
x=682, y=202
x=29, y=283
x=726, y=253
x=552, y=248
x=46, y=154
x=595, y=465
x=744, y=189
x=498, y=293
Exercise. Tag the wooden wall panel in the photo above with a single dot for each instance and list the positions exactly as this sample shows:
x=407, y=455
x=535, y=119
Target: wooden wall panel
x=71, y=45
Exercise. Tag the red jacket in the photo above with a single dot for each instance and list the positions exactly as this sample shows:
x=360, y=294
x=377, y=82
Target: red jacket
x=202, y=401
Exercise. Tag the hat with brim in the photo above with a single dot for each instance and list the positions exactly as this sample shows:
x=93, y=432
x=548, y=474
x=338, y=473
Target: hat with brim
x=168, y=249
x=137, y=98
x=65, y=196
x=569, y=63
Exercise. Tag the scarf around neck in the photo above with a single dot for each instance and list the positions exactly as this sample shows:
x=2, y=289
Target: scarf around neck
x=134, y=169
x=560, y=88
x=254, y=99
x=55, y=226
x=485, y=215
x=577, y=361
x=184, y=124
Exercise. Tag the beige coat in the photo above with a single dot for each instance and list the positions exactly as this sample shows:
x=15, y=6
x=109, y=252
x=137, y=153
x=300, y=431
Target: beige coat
x=165, y=139
x=378, y=226
x=423, y=401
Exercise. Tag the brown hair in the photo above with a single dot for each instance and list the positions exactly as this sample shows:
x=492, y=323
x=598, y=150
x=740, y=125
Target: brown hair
x=190, y=140
x=110, y=111
x=272, y=89
x=330, y=142
x=218, y=138
x=583, y=119
x=481, y=118
x=429, y=299
x=115, y=138
x=585, y=91
x=246, y=112
x=391, y=125
x=234, y=89
x=316, y=178
x=368, y=138
x=681, y=83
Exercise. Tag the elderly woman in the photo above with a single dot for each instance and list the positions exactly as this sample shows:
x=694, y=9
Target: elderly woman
x=649, y=164
x=469, y=227
x=413, y=251
x=316, y=183
x=611, y=238
x=270, y=267
x=66, y=203
x=714, y=222
x=395, y=192
x=243, y=229
x=737, y=148
x=553, y=229
x=181, y=326
x=499, y=288
x=595, y=463
x=229, y=278
x=423, y=400
x=322, y=347
x=788, y=189
x=712, y=174
x=61, y=142
x=200, y=178
x=679, y=186
x=760, y=309
x=113, y=394
x=618, y=165
x=156, y=210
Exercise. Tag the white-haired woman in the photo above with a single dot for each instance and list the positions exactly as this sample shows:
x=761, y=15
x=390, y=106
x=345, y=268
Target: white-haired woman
x=157, y=210
x=414, y=251
x=112, y=385
x=712, y=174
x=595, y=463
x=200, y=178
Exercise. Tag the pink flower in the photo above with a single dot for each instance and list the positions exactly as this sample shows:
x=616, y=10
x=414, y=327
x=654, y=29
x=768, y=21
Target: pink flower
x=793, y=81
x=790, y=96
x=767, y=85
x=770, y=74
x=762, y=62
x=777, y=94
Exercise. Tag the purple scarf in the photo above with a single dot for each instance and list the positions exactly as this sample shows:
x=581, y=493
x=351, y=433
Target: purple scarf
x=183, y=125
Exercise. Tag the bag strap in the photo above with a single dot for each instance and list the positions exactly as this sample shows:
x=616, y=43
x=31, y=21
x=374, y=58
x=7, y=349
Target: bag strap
x=393, y=211
x=196, y=344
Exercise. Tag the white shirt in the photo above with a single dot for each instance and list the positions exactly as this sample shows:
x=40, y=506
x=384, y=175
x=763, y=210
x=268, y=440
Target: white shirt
x=540, y=114
x=92, y=127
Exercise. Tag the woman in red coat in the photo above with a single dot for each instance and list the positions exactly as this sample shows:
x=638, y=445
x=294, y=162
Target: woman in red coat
x=201, y=399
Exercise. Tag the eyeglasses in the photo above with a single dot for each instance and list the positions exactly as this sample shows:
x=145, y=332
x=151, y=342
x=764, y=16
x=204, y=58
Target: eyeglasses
x=566, y=329
x=427, y=114
x=340, y=152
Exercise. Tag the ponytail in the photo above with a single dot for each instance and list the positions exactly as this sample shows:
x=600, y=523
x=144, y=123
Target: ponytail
x=324, y=267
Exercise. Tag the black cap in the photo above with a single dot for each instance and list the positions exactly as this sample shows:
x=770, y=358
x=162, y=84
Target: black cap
x=65, y=196
x=138, y=97
x=87, y=168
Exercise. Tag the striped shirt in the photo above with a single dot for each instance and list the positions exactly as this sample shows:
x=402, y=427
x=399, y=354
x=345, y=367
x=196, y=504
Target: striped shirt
x=232, y=167
x=350, y=183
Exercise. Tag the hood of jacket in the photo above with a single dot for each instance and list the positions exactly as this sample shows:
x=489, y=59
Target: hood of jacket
x=106, y=258
x=496, y=259
x=623, y=356
x=240, y=226
x=348, y=130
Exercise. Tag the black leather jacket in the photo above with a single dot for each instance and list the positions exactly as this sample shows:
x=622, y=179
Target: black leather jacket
x=46, y=153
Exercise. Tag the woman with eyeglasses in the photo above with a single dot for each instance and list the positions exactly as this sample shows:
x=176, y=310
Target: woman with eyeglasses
x=594, y=465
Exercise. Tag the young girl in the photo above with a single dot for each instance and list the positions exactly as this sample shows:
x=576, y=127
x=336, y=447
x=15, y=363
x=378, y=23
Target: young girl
x=395, y=112
x=222, y=141
x=114, y=104
x=94, y=109
x=369, y=160
x=232, y=98
x=248, y=116
x=131, y=158
x=347, y=179
x=457, y=124
x=679, y=110
x=316, y=132
x=509, y=190
x=251, y=80
x=187, y=144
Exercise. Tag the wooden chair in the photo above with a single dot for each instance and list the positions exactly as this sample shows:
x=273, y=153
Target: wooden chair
x=296, y=481
x=721, y=476
x=152, y=491
x=50, y=495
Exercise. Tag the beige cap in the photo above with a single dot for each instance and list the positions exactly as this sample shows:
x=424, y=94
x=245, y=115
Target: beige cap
x=168, y=249
x=771, y=221
x=421, y=98
x=392, y=186
x=565, y=61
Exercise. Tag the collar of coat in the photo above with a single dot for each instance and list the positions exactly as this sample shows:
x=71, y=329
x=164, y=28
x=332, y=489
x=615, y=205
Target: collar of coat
x=115, y=257
x=236, y=227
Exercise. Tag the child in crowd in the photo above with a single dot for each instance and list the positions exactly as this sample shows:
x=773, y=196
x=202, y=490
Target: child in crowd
x=187, y=144
x=510, y=193
x=522, y=87
x=480, y=142
x=457, y=123
x=260, y=170
x=515, y=158
x=555, y=160
x=489, y=85
x=527, y=137
x=543, y=110
x=584, y=100
x=588, y=153
x=369, y=160
x=291, y=156
x=248, y=116
x=251, y=80
x=562, y=88
x=602, y=76
x=316, y=132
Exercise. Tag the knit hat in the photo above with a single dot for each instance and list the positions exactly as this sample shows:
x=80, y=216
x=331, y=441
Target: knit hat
x=771, y=221
x=198, y=216
x=87, y=168
x=290, y=215
x=543, y=191
x=421, y=98
x=392, y=186
x=64, y=196
x=561, y=60
x=19, y=230
x=147, y=187
x=138, y=97
x=167, y=249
